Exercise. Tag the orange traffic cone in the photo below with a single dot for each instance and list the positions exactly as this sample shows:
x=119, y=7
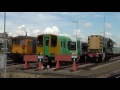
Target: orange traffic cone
x=40, y=66
x=58, y=65
x=74, y=67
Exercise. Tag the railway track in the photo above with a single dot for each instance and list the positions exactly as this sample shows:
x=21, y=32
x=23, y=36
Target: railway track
x=87, y=65
x=10, y=63
x=81, y=66
x=102, y=63
x=66, y=68
x=64, y=75
x=84, y=68
x=115, y=76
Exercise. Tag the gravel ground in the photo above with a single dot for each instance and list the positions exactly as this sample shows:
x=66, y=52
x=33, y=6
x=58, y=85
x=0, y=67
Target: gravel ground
x=102, y=71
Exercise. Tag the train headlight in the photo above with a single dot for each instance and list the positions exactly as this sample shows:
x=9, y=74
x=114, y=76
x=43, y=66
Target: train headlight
x=74, y=53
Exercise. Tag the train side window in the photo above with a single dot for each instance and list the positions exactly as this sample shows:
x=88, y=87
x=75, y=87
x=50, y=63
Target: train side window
x=53, y=41
x=61, y=43
x=40, y=41
x=71, y=45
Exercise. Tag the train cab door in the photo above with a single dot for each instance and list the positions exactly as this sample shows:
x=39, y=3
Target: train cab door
x=64, y=49
x=46, y=45
x=28, y=47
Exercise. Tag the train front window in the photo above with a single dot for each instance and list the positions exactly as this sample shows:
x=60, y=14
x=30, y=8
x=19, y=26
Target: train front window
x=53, y=41
x=40, y=41
x=84, y=46
x=15, y=41
x=22, y=42
x=71, y=45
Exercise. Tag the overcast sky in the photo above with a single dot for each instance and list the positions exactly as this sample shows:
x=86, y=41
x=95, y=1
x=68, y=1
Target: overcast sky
x=61, y=23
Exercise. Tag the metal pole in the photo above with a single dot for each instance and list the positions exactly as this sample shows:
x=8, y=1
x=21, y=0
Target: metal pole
x=4, y=49
x=76, y=34
x=115, y=45
x=104, y=25
x=104, y=39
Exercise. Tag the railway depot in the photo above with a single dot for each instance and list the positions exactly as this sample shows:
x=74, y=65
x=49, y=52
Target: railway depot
x=41, y=54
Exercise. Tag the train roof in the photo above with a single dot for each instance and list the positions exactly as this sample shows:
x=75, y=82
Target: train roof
x=60, y=36
x=100, y=36
x=45, y=34
x=24, y=37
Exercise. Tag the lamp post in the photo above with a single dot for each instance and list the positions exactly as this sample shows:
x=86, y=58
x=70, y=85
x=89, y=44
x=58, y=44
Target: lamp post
x=76, y=34
x=4, y=46
x=104, y=25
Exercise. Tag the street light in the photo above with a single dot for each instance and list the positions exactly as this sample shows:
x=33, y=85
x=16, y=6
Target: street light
x=104, y=34
x=104, y=25
x=4, y=46
x=76, y=34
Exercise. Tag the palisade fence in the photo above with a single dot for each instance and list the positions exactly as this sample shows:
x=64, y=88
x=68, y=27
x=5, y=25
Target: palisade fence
x=3, y=57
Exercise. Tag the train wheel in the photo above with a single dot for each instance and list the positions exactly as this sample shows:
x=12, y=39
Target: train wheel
x=87, y=58
x=49, y=62
x=100, y=59
x=108, y=58
x=14, y=59
x=93, y=60
x=82, y=59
